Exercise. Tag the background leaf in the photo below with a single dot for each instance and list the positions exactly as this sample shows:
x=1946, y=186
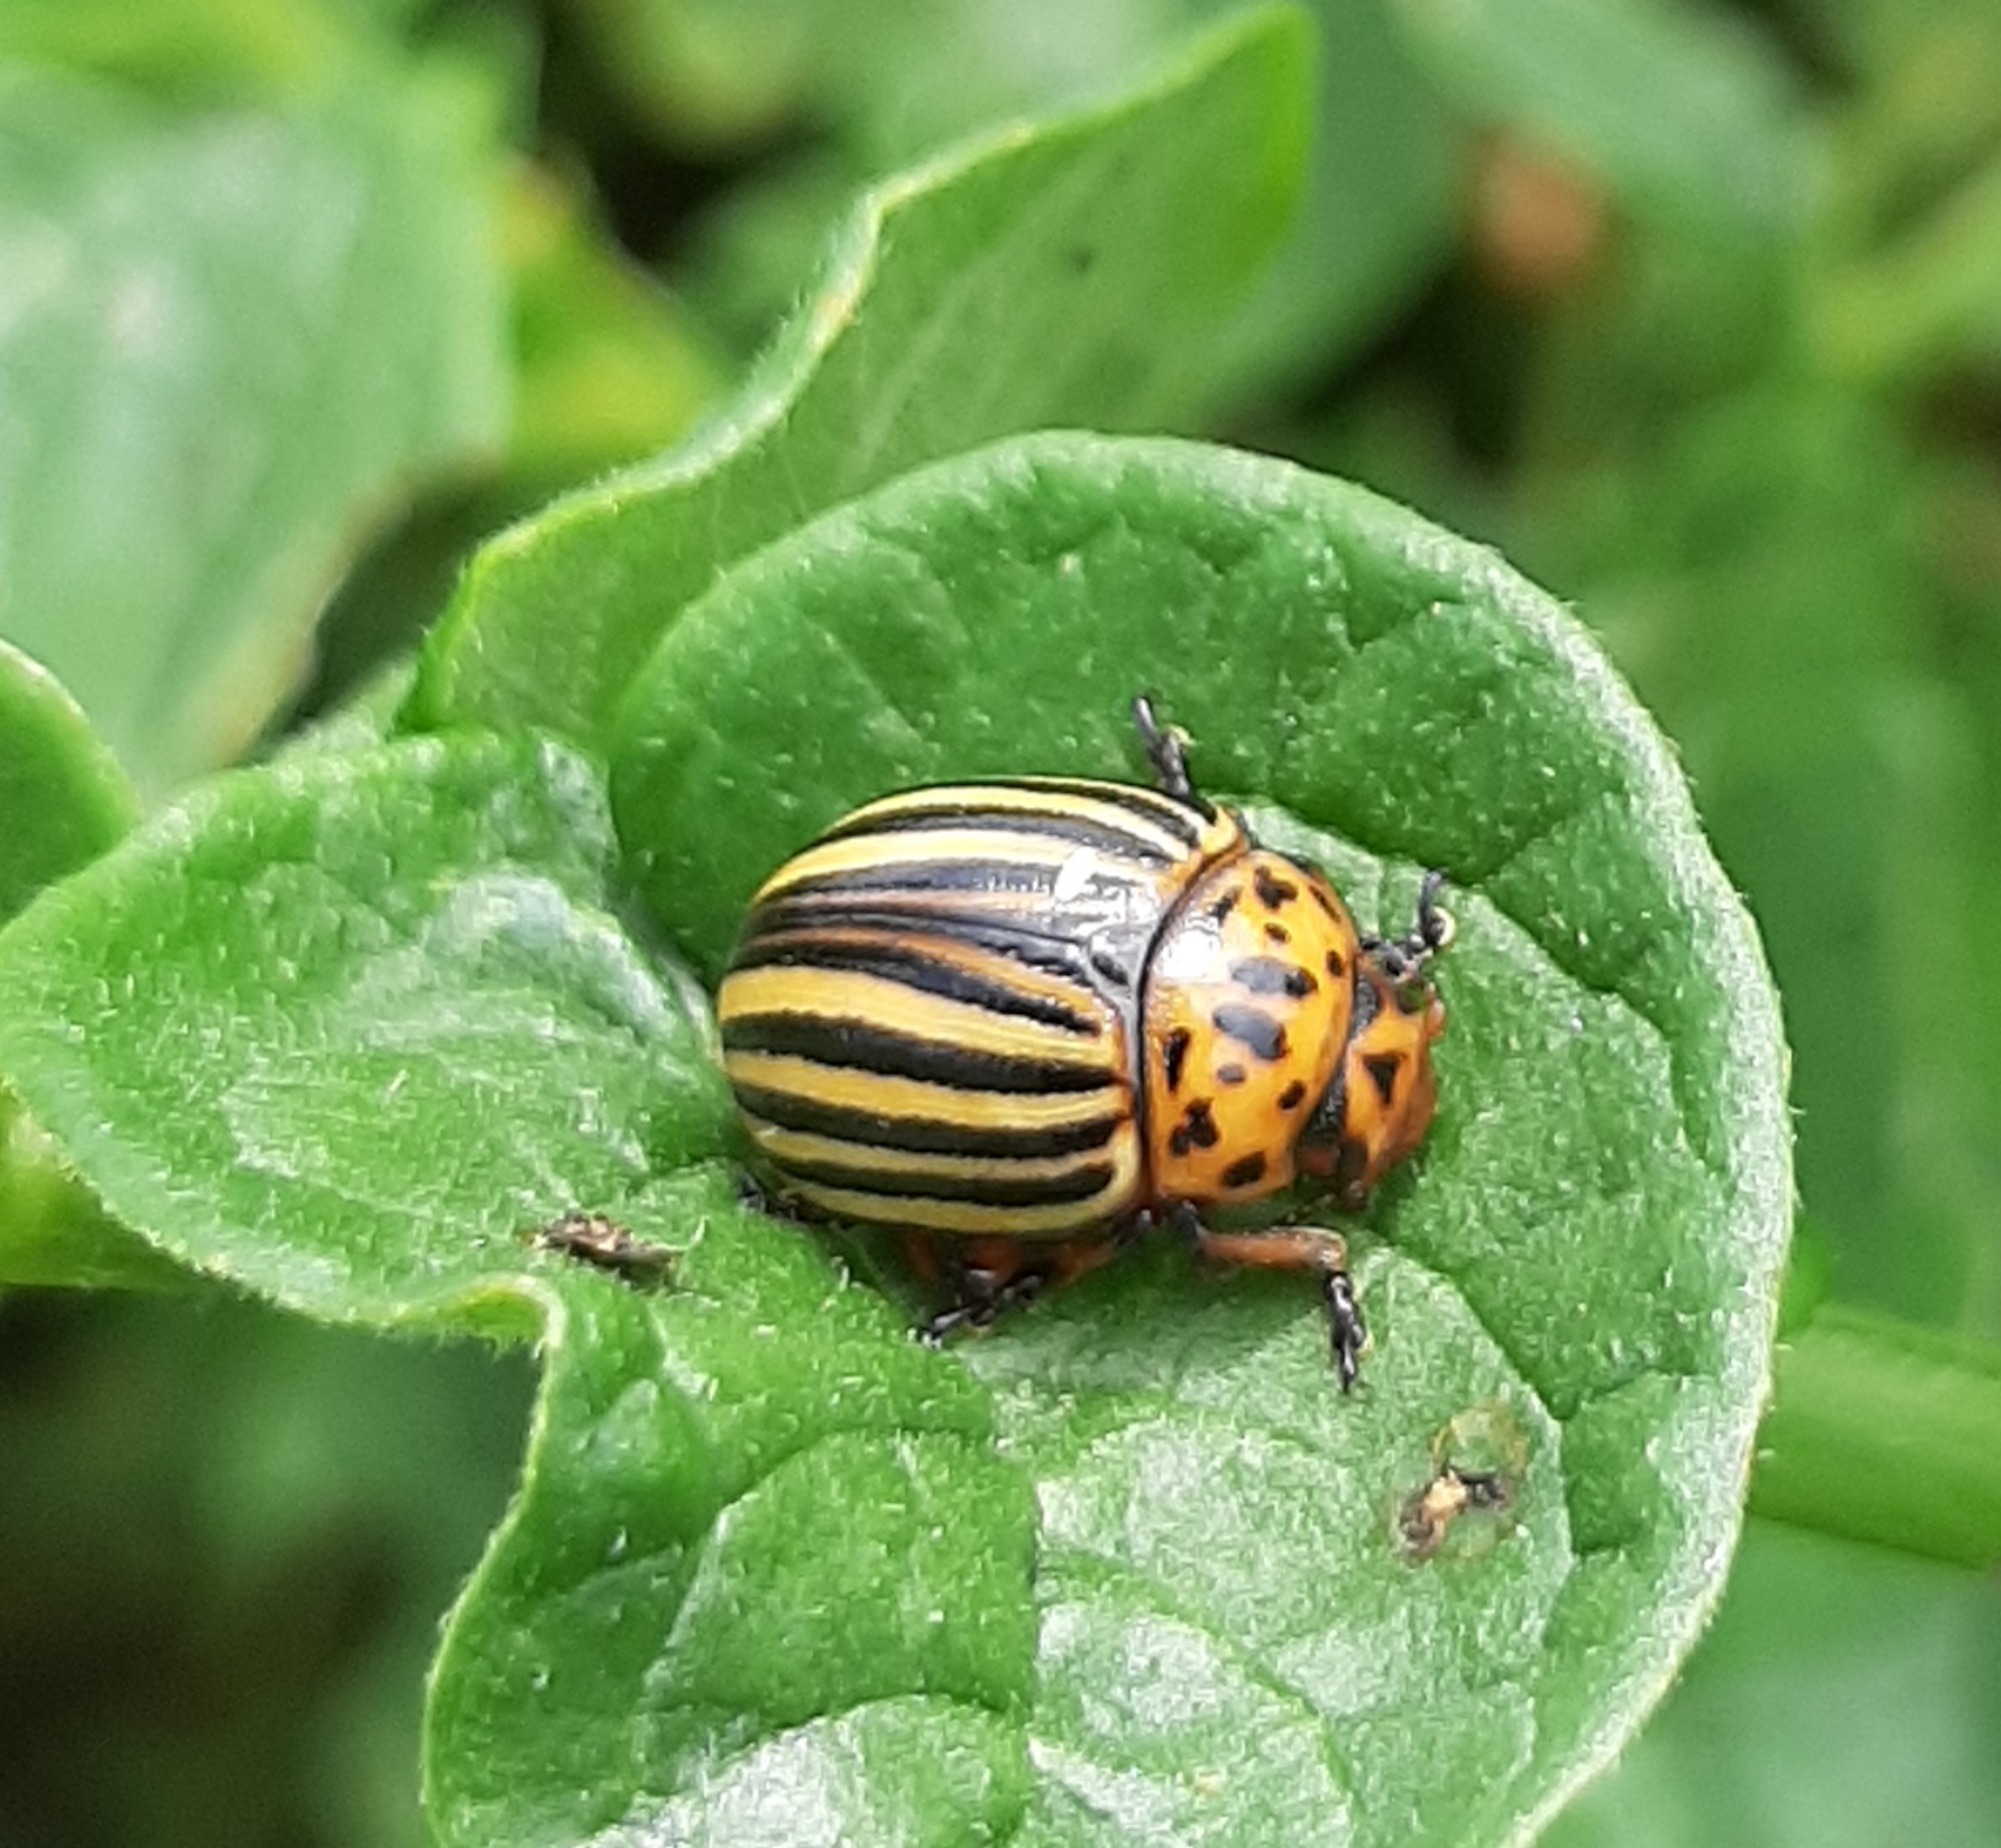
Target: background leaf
x=1843, y=1695
x=63, y=798
x=1068, y=267
x=228, y=339
x=1687, y=115
x=869, y=86
x=190, y=1480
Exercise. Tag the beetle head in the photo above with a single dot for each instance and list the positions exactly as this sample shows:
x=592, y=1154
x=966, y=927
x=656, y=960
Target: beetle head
x=1380, y=1104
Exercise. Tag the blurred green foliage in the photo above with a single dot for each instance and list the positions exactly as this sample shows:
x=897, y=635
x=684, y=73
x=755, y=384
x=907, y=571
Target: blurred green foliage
x=1692, y=308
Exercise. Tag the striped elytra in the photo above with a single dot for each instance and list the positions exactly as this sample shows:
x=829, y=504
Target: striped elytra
x=1037, y=1009
x=931, y=1020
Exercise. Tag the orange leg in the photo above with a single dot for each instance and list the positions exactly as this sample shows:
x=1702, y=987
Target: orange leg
x=1302, y=1248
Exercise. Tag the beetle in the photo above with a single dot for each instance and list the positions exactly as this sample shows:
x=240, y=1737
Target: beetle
x=1024, y=1021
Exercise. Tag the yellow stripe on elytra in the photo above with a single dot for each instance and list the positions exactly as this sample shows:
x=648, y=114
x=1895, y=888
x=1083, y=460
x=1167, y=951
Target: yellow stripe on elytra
x=963, y=1217
x=786, y=1146
x=844, y=994
x=899, y=1099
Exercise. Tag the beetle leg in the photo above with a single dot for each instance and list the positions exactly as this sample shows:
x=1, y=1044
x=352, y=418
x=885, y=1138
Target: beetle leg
x=1303, y=1248
x=1167, y=751
x=990, y=1276
x=983, y=1298
x=1348, y=1333
x=1404, y=959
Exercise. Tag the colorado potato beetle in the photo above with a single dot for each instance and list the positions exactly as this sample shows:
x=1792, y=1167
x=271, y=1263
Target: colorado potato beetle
x=1024, y=1021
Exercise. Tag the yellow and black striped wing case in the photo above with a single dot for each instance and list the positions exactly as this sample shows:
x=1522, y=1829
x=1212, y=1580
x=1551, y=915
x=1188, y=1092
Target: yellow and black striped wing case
x=929, y=1020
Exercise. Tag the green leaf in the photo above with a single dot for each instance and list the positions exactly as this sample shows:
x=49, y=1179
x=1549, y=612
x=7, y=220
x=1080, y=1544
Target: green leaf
x=344, y=1028
x=53, y=1232
x=226, y=340
x=1067, y=269
x=63, y=798
x=1579, y=1274
x=653, y=1635
x=63, y=801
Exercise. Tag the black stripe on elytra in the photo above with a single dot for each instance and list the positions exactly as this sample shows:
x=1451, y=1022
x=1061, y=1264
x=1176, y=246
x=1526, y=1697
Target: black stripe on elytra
x=1226, y=904
x=1253, y=1027
x=1383, y=1067
x=1272, y=890
x=1292, y=1096
x=971, y=1190
x=1051, y=955
x=892, y=877
x=909, y=965
x=923, y=1135
x=1273, y=975
x=1163, y=811
x=1244, y=1170
x=858, y=1046
x=1174, y=1055
x=1078, y=830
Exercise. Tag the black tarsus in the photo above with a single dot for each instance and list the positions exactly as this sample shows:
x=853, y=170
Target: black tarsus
x=1434, y=927
x=982, y=1301
x=1167, y=751
x=1347, y=1331
x=1403, y=959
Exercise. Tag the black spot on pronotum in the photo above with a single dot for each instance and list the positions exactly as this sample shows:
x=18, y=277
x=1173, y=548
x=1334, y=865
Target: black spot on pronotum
x=1245, y=1170
x=1383, y=1067
x=1292, y=1096
x=1272, y=890
x=1272, y=975
x=1278, y=933
x=1252, y=1027
x=1174, y=1055
x=1223, y=906
x=1230, y=1072
x=1196, y=1130
x=1337, y=964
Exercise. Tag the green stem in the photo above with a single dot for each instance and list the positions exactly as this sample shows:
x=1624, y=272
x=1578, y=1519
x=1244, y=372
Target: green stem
x=1884, y=1432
